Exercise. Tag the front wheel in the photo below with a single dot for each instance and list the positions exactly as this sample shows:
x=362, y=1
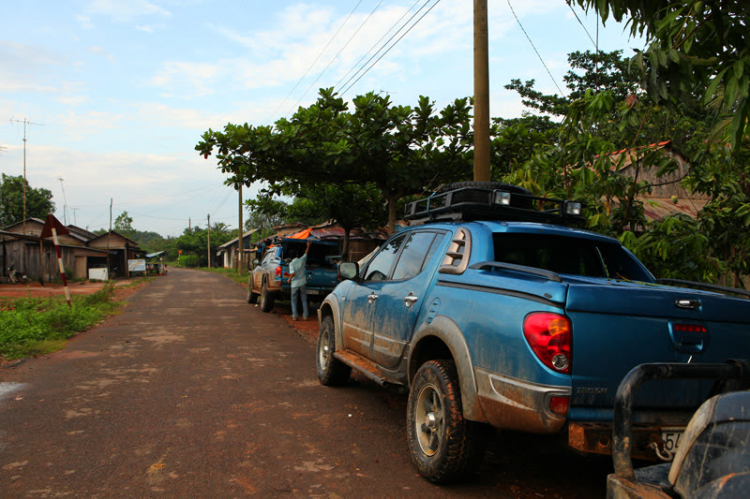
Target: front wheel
x=444, y=446
x=331, y=371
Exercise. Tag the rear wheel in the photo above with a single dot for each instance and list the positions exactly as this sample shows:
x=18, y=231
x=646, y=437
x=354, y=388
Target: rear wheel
x=266, y=299
x=331, y=371
x=444, y=446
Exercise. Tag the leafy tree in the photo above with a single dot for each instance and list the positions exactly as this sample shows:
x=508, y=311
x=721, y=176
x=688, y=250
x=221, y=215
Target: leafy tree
x=399, y=149
x=265, y=213
x=350, y=205
x=39, y=202
x=696, y=48
x=576, y=160
x=194, y=244
x=124, y=224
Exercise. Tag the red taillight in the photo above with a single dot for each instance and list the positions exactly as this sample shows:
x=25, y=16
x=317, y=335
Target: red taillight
x=278, y=272
x=559, y=405
x=689, y=328
x=549, y=337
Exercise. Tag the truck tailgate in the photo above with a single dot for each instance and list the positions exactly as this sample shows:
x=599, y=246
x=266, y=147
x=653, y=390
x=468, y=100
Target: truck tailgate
x=620, y=325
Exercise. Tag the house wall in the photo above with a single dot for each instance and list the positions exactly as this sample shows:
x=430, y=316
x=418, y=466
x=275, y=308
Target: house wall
x=667, y=185
x=32, y=228
x=26, y=258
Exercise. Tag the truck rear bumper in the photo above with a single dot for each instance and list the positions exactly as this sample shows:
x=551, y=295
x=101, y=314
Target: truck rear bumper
x=514, y=404
x=596, y=438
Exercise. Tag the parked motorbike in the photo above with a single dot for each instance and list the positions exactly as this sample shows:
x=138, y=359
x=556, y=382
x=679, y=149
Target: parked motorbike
x=16, y=277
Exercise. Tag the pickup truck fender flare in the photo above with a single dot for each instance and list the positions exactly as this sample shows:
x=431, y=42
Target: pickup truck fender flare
x=447, y=331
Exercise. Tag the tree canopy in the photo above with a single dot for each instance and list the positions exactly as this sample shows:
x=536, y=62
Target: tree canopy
x=697, y=49
x=39, y=202
x=399, y=149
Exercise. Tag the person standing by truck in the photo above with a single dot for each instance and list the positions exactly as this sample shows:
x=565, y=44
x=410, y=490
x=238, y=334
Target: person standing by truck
x=298, y=282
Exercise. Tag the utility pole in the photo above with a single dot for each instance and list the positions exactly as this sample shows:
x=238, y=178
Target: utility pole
x=209, y=241
x=109, y=234
x=65, y=201
x=481, y=93
x=240, y=245
x=25, y=122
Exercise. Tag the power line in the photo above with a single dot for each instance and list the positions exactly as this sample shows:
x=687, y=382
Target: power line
x=596, y=46
x=535, y=50
x=376, y=44
x=314, y=62
x=338, y=53
x=394, y=44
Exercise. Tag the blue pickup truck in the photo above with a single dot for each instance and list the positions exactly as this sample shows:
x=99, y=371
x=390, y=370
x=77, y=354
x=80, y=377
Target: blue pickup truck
x=269, y=279
x=494, y=311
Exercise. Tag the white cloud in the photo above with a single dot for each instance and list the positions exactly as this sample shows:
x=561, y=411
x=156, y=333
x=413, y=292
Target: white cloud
x=196, y=77
x=100, y=51
x=82, y=126
x=84, y=22
x=125, y=10
x=74, y=100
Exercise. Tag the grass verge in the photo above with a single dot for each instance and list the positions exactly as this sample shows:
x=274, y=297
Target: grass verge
x=36, y=326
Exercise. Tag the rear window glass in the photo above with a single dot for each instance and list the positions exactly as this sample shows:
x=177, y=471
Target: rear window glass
x=567, y=255
x=320, y=254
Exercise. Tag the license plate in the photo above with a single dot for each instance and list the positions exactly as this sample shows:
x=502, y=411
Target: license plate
x=313, y=291
x=671, y=438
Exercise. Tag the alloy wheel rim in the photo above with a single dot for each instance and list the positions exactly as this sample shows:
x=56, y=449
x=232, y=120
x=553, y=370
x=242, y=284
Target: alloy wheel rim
x=429, y=419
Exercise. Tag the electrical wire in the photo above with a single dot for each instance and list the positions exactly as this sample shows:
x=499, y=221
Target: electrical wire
x=333, y=59
x=314, y=62
x=394, y=44
x=584, y=27
x=535, y=50
x=338, y=84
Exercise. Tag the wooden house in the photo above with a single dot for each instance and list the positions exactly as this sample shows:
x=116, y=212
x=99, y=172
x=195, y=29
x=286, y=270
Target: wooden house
x=22, y=247
x=119, y=249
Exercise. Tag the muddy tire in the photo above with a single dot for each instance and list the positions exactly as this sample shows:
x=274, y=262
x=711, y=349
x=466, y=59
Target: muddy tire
x=252, y=298
x=444, y=446
x=266, y=299
x=331, y=371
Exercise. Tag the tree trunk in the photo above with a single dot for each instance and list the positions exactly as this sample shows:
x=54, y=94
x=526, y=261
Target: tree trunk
x=345, y=250
x=392, y=203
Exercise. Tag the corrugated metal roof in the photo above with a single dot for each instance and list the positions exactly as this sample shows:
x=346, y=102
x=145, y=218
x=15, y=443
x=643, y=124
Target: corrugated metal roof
x=661, y=208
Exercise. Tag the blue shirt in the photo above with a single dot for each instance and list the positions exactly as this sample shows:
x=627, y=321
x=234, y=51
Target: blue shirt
x=297, y=267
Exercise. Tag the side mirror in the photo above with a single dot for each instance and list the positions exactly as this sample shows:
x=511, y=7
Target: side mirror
x=348, y=270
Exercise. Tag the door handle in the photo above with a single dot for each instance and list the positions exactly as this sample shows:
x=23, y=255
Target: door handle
x=410, y=299
x=371, y=298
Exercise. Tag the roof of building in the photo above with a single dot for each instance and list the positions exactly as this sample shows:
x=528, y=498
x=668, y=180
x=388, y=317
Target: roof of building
x=129, y=241
x=236, y=239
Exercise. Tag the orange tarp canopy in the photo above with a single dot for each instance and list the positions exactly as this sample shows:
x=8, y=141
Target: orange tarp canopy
x=303, y=234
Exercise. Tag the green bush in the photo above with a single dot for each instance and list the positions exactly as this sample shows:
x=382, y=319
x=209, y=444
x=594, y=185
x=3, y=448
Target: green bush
x=190, y=261
x=31, y=326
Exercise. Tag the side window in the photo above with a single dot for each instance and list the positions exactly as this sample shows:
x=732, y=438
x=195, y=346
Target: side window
x=414, y=255
x=433, y=248
x=380, y=265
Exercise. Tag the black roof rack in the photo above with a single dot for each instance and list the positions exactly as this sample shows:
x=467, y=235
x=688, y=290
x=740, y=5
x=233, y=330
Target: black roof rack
x=476, y=203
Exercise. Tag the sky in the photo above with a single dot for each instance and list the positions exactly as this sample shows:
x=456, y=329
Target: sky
x=113, y=95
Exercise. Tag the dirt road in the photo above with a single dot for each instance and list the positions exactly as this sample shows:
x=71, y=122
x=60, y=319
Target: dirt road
x=191, y=392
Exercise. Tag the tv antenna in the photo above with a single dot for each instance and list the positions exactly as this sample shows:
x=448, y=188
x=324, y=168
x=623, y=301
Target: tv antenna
x=25, y=122
x=65, y=200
